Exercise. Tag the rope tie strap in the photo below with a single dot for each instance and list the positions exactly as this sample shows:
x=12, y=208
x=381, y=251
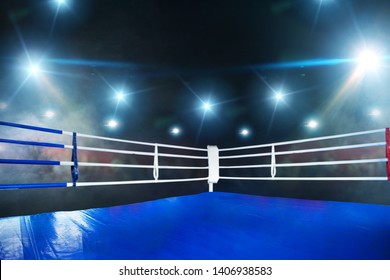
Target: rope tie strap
x=155, y=163
x=273, y=162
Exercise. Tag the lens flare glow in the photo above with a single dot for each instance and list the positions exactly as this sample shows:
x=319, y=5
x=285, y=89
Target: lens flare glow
x=49, y=114
x=3, y=105
x=120, y=96
x=312, y=124
x=279, y=96
x=375, y=113
x=112, y=124
x=206, y=106
x=368, y=60
x=244, y=132
x=175, y=131
x=34, y=70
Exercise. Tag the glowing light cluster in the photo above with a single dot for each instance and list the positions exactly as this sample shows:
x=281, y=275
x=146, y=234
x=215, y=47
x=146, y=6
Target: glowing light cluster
x=61, y=2
x=120, y=96
x=34, y=69
x=375, y=113
x=369, y=59
x=49, y=114
x=3, y=105
x=244, y=132
x=279, y=96
x=175, y=131
x=112, y=123
x=206, y=106
x=312, y=124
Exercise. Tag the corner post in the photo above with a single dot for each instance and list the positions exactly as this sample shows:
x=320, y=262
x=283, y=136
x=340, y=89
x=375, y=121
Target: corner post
x=213, y=160
x=74, y=169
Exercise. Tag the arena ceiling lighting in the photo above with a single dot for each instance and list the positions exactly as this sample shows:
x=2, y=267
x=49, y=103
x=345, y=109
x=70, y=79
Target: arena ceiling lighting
x=49, y=114
x=244, y=132
x=375, y=113
x=3, y=105
x=175, y=131
x=312, y=124
x=206, y=106
x=279, y=96
x=120, y=96
x=34, y=70
x=369, y=59
x=112, y=123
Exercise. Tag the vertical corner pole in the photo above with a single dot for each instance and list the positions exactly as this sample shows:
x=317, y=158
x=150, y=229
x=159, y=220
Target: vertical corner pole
x=388, y=153
x=213, y=159
x=74, y=169
x=155, y=163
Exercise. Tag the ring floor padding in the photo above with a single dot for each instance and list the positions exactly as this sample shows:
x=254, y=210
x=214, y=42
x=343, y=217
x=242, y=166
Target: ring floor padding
x=204, y=226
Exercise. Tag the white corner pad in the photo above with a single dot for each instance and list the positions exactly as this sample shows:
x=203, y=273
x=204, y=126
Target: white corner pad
x=213, y=157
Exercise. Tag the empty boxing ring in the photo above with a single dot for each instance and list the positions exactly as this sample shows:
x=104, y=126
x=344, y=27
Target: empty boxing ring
x=211, y=225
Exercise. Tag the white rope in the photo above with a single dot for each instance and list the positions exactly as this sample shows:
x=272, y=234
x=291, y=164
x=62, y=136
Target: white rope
x=111, y=183
x=307, y=178
x=334, y=162
x=345, y=147
x=311, y=163
x=127, y=152
x=96, y=164
x=157, y=167
x=273, y=162
x=335, y=148
x=155, y=163
x=133, y=142
x=305, y=140
x=273, y=165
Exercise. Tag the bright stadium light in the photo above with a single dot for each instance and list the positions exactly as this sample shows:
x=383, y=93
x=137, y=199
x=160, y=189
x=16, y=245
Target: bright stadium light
x=34, y=70
x=112, y=123
x=120, y=96
x=3, y=105
x=49, y=114
x=312, y=124
x=175, y=131
x=368, y=59
x=244, y=132
x=279, y=96
x=206, y=106
x=375, y=113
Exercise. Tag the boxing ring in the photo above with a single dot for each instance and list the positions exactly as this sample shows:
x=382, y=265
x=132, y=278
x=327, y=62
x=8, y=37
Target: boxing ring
x=210, y=225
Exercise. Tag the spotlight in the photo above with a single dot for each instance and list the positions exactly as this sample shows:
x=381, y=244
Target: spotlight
x=34, y=70
x=120, y=96
x=279, y=96
x=3, y=105
x=375, y=113
x=60, y=2
x=206, y=106
x=312, y=124
x=368, y=59
x=175, y=131
x=244, y=132
x=112, y=124
x=49, y=114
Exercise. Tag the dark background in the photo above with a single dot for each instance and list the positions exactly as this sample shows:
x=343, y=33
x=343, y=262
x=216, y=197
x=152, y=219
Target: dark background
x=171, y=56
